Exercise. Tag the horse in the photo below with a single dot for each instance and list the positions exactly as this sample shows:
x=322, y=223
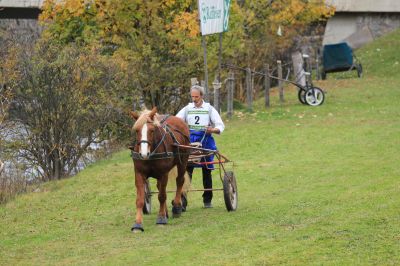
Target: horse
x=154, y=153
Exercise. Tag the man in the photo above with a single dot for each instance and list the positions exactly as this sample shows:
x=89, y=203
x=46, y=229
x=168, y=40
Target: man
x=203, y=120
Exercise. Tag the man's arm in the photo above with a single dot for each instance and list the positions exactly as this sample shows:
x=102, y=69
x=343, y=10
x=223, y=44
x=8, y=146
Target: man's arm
x=217, y=121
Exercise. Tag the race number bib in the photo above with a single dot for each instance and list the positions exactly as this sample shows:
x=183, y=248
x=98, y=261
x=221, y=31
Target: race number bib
x=198, y=119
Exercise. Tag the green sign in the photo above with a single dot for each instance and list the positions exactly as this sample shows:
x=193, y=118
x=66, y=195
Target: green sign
x=214, y=16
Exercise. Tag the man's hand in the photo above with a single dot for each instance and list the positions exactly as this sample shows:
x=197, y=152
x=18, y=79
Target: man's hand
x=210, y=130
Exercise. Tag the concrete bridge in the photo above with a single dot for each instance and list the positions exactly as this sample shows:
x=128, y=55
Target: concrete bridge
x=358, y=22
x=20, y=9
x=20, y=18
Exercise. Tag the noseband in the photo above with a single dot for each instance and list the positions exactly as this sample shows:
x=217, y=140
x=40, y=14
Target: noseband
x=143, y=141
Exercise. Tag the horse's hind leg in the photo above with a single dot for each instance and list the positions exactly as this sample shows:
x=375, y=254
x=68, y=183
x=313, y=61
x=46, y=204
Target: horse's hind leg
x=180, y=180
x=162, y=198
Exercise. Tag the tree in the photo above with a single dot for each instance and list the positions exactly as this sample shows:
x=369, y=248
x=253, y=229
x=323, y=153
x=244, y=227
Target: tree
x=5, y=98
x=5, y=92
x=65, y=100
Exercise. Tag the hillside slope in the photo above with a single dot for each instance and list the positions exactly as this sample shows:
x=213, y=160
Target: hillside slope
x=317, y=185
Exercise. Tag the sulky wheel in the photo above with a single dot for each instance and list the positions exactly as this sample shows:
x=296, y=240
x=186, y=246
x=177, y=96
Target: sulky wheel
x=147, y=198
x=230, y=191
x=314, y=96
x=301, y=94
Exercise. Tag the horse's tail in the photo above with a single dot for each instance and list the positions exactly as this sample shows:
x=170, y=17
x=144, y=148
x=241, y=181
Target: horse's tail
x=173, y=174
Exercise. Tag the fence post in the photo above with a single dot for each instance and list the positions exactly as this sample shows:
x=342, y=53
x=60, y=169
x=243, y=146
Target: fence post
x=216, y=86
x=280, y=82
x=231, y=86
x=206, y=92
x=249, y=91
x=267, y=85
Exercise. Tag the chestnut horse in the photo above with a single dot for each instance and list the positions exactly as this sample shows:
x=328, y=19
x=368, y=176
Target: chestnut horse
x=154, y=154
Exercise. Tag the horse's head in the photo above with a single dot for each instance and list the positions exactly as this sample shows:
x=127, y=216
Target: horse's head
x=144, y=128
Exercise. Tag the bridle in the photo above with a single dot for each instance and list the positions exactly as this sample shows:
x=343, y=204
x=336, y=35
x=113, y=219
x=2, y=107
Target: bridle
x=163, y=129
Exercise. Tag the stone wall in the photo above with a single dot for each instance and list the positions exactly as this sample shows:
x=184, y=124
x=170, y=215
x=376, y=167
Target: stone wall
x=21, y=30
x=21, y=3
x=381, y=6
x=359, y=28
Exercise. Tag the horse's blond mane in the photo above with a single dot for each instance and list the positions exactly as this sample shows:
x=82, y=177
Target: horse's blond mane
x=144, y=118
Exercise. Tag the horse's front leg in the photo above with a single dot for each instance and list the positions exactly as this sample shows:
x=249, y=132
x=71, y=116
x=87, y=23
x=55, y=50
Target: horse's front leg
x=139, y=183
x=162, y=198
x=180, y=180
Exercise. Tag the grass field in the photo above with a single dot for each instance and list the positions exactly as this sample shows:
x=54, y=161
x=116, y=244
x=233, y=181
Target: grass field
x=317, y=186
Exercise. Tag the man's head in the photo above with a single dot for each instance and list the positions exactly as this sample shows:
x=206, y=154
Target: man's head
x=197, y=93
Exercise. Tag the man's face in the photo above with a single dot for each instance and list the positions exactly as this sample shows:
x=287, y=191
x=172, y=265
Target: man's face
x=196, y=97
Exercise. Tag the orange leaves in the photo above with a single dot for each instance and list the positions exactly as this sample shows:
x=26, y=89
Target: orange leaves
x=53, y=9
x=75, y=7
x=186, y=24
x=286, y=12
x=297, y=12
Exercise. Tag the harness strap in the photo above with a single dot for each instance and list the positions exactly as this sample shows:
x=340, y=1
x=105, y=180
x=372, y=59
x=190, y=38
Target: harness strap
x=153, y=156
x=176, y=142
x=159, y=143
x=171, y=133
x=164, y=119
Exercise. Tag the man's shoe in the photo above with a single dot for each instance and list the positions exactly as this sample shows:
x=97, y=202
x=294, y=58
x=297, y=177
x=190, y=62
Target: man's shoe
x=207, y=205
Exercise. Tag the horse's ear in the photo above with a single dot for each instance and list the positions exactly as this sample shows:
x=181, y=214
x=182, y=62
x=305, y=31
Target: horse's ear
x=134, y=115
x=153, y=112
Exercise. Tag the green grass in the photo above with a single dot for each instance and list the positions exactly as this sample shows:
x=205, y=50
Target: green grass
x=317, y=185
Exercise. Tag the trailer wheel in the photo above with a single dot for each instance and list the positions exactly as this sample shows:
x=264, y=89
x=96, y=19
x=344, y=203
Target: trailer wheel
x=230, y=191
x=301, y=94
x=314, y=96
x=147, y=198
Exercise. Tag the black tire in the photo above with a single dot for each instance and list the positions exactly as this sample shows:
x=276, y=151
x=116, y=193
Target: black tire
x=359, y=71
x=314, y=96
x=300, y=94
x=147, y=198
x=230, y=191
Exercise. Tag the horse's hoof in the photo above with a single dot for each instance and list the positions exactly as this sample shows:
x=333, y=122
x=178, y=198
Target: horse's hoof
x=176, y=211
x=161, y=220
x=137, y=228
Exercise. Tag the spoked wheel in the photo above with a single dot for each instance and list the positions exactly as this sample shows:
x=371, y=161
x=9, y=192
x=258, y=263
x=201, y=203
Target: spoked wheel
x=230, y=191
x=301, y=94
x=147, y=198
x=314, y=96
